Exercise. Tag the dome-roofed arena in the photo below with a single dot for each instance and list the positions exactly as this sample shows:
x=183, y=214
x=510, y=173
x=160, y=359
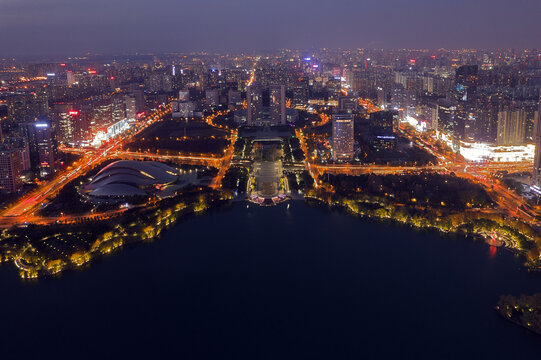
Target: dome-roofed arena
x=126, y=178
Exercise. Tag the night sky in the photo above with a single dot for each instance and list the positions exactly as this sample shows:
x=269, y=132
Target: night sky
x=70, y=27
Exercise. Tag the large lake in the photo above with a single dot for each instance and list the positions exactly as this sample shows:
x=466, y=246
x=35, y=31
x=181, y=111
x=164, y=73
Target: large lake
x=275, y=283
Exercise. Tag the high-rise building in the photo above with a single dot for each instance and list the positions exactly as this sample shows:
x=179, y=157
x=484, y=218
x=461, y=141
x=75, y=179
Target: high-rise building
x=154, y=83
x=382, y=124
x=212, y=97
x=342, y=137
x=167, y=83
x=466, y=81
x=382, y=97
x=10, y=169
x=20, y=144
x=131, y=108
x=536, y=175
x=140, y=102
x=254, y=101
x=72, y=127
x=119, y=109
x=431, y=115
x=301, y=92
x=70, y=76
x=234, y=97
x=511, y=127
x=277, y=104
x=488, y=106
x=44, y=144
x=22, y=108
x=447, y=117
x=41, y=146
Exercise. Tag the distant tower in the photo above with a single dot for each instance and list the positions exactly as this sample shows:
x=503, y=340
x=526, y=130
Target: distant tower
x=278, y=104
x=342, y=137
x=254, y=101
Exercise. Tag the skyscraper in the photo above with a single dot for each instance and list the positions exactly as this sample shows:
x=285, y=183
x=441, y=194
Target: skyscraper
x=131, y=108
x=212, y=97
x=277, y=104
x=140, y=102
x=10, y=169
x=22, y=107
x=73, y=127
x=44, y=144
x=466, y=80
x=536, y=175
x=382, y=130
x=41, y=146
x=511, y=127
x=234, y=97
x=301, y=91
x=254, y=101
x=342, y=137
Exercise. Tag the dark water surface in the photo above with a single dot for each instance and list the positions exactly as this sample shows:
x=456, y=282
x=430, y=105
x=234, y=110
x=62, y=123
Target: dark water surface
x=272, y=283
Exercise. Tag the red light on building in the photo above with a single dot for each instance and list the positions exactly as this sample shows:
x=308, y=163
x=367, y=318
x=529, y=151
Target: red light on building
x=412, y=61
x=433, y=56
x=73, y=113
x=112, y=77
x=62, y=64
x=92, y=72
x=140, y=114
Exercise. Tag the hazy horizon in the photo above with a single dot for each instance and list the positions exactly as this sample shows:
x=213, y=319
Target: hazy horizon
x=74, y=27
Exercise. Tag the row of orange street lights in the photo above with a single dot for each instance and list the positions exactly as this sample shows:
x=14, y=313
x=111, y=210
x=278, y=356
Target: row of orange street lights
x=24, y=209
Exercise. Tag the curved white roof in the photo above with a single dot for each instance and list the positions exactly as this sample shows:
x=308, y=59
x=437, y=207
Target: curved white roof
x=117, y=190
x=128, y=178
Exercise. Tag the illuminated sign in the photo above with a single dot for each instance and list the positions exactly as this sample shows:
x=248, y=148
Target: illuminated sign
x=140, y=114
x=51, y=74
x=73, y=112
x=41, y=125
x=92, y=72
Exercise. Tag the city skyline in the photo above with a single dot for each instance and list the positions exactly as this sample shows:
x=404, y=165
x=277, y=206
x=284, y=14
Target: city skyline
x=244, y=179
x=61, y=27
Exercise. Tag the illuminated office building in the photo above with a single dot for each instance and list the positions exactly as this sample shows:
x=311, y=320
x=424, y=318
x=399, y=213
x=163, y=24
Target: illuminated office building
x=536, y=176
x=254, y=101
x=10, y=169
x=342, y=137
x=278, y=104
x=511, y=127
